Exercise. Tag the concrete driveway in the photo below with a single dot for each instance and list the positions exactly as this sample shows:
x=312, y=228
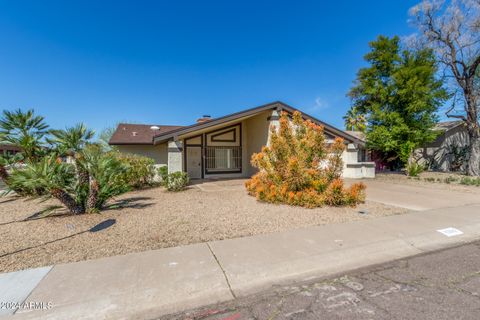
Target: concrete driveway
x=407, y=196
x=417, y=197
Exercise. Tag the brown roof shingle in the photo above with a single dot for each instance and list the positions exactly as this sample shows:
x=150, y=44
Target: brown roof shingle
x=138, y=133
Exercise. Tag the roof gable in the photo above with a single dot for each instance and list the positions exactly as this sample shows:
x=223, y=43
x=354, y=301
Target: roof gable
x=238, y=115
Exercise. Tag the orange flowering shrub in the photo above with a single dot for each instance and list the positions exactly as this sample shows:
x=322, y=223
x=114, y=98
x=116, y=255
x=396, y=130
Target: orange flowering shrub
x=299, y=168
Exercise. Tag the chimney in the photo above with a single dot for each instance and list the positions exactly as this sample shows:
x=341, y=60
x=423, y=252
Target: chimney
x=204, y=118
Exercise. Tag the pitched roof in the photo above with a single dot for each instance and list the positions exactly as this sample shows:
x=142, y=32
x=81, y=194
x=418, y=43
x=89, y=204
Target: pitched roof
x=242, y=114
x=10, y=147
x=124, y=135
x=127, y=133
x=357, y=134
x=447, y=125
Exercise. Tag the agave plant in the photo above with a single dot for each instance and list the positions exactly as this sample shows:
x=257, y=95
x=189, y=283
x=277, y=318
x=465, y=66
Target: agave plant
x=47, y=177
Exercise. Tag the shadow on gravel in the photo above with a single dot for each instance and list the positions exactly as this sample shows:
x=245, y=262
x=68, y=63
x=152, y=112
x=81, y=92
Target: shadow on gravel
x=99, y=227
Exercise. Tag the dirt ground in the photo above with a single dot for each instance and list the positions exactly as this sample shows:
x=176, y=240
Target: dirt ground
x=153, y=219
x=437, y=180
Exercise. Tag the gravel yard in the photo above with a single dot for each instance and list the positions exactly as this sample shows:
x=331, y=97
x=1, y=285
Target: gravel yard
x=153, y=219
x=437, y=180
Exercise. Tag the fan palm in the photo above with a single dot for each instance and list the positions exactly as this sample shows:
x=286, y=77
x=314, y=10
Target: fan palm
x=104, y=170
x=25, y=130
x=355, y=121
x=48, y=177
x=70, y=142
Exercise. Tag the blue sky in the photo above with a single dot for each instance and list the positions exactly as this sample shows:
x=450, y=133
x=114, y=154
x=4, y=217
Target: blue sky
x=169, y=62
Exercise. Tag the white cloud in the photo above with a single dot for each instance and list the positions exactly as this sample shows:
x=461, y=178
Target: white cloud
x=320, y=104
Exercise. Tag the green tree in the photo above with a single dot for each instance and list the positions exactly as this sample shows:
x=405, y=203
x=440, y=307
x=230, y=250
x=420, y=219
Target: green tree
x=104, y=138
x=399, y=95
x=24, y=129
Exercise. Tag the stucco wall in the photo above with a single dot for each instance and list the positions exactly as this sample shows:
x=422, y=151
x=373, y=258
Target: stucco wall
x=158, y=153
x=438, y=154
x=257, y=129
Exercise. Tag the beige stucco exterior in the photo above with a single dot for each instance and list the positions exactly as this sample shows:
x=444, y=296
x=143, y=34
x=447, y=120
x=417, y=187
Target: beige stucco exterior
x=250, y=134
x=158, y=152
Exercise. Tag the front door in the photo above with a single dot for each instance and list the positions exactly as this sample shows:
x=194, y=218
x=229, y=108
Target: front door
x=194, y=162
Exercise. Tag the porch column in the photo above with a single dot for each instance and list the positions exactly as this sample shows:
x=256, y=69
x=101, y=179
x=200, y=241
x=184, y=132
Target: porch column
x=175, y=156
x=273, y=121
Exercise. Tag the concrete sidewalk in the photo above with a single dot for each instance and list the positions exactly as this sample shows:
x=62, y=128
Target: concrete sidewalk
x=149, y=284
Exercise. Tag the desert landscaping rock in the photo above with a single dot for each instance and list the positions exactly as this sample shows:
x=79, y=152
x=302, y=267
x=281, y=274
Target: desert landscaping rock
x=152, y=219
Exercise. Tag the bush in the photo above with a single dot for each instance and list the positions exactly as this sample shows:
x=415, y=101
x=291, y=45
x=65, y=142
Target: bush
x=470, y=181
x=298, y=168
x=176, y=181
x=413, y=169
x=141, y=170
x=163, y=173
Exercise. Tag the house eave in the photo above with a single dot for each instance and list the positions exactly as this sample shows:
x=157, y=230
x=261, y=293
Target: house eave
x=172, y=135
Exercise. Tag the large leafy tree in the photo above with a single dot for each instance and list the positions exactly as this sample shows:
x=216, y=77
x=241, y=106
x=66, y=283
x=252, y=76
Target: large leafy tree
x=399, y=95
x=452, y=30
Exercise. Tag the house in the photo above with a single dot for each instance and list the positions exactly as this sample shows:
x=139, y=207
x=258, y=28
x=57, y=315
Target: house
x=222, y=147
x=449, y=150
x=9, y=149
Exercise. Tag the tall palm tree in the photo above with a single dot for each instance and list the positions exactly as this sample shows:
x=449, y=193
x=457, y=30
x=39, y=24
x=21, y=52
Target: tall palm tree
x=354, y=120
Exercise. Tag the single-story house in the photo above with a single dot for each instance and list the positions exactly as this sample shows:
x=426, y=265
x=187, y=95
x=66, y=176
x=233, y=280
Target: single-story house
x=222, y=147
x=9, y=149
x=449, y=150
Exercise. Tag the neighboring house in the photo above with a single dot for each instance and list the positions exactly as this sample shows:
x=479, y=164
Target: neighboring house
x=449, y=150
x=9, y=149
x=223, y=147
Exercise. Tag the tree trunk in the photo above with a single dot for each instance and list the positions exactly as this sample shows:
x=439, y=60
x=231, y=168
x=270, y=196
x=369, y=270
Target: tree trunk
x=67, y=201
x=92, y=197
x=472, y=129
x=3, y=173
x=473, y=168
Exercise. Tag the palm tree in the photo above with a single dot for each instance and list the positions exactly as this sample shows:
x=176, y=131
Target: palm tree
x=70, y=142
x=105, y=171
x=47, y=177
x=355, y=121
x=25, y=130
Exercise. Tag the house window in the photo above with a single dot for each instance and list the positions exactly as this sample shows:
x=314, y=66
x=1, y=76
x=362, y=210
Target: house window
x=223, y=159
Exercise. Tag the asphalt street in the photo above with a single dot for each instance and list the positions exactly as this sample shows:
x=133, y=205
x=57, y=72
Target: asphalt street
x=440, y=285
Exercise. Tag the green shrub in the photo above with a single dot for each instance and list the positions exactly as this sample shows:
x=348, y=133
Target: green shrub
x=163, y=173
x=141, y=170
x=176, y=181
x=470, y=181
x=414, y=169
